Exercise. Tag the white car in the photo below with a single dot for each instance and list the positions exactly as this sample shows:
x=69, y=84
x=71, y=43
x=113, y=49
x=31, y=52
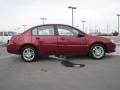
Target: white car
x=5, y=36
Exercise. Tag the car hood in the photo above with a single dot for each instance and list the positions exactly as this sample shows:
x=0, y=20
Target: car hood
x=98, y=38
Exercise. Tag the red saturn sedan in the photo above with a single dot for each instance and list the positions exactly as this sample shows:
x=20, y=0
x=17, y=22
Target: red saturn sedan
x=58, y=39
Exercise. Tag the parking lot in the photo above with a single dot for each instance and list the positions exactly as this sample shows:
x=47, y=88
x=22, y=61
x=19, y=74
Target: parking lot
x=50, y=74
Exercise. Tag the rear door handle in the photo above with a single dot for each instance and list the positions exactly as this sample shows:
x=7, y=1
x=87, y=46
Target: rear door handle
x=62, y=38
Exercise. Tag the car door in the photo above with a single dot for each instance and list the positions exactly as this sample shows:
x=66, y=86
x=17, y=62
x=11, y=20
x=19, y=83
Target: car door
x=45, y=39
x=69, y=40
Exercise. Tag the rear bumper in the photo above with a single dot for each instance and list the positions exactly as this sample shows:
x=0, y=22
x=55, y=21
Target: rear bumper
x=111, y=47
x=12, y=48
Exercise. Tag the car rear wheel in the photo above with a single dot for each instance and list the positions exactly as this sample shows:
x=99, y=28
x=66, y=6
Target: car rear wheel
x=28, y=53
x=97, y=51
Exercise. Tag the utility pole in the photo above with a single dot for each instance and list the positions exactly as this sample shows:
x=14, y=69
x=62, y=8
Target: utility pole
x=72, y=8
x=83, y=25
x=118, y=22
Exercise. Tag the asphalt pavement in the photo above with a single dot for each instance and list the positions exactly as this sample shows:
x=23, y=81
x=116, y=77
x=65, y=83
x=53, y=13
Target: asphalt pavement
x=50, y=74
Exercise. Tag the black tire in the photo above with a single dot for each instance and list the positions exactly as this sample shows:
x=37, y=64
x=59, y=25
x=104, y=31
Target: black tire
x=28, y=54
x=97, y=51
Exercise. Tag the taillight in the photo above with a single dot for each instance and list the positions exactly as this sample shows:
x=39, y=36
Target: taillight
x=11, y=41
x=14, y=40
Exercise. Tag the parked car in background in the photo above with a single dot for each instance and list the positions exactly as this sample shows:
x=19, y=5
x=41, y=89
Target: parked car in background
x=5, y=36
x=58, y=39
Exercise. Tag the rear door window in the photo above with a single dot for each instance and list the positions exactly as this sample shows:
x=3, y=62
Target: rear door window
x=44, y=30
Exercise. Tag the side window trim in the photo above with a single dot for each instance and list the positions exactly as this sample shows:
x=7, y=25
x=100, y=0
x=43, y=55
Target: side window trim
x=33, y=30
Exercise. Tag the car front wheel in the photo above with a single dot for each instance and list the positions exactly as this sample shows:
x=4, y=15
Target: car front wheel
x=97, y=51
x=28, y=53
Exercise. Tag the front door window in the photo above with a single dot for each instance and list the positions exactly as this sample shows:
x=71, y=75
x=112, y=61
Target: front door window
x=67, y=31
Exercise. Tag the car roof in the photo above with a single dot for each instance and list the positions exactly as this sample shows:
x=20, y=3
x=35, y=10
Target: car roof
x=52, y=24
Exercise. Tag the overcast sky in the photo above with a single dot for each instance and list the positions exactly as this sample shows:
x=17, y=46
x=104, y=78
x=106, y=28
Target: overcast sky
x=97, y=13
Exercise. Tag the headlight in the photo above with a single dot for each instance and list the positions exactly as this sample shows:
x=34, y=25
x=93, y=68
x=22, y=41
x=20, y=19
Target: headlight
x=112, y=41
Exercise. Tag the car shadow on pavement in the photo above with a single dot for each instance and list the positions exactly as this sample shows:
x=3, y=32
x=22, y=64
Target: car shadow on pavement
x=71, y=61
x=68, y=58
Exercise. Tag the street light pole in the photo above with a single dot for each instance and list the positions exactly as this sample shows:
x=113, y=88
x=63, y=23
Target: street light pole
x=83, y=25
x=118, y=22
x=43, y=20
x=24, y=26
x=72, y=8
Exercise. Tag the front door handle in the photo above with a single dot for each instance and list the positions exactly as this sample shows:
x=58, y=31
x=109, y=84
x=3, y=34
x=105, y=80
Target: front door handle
x=37, y=38
x=62, y=38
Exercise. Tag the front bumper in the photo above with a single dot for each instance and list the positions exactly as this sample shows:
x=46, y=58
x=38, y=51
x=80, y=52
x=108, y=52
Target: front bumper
x=111, y=47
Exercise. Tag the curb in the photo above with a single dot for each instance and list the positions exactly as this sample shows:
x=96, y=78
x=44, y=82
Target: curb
x=117, y=43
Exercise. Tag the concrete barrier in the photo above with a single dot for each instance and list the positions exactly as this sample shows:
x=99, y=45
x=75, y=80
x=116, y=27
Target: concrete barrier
x=116, y=39
x=2, y=45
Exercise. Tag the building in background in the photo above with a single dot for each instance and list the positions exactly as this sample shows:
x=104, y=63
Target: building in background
x=5, y=36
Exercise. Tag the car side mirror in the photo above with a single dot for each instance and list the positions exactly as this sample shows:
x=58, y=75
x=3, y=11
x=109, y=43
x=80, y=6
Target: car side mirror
x=81, y=35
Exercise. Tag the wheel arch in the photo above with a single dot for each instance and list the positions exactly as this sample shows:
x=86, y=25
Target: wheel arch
x=27, y=45
x=98, y=43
